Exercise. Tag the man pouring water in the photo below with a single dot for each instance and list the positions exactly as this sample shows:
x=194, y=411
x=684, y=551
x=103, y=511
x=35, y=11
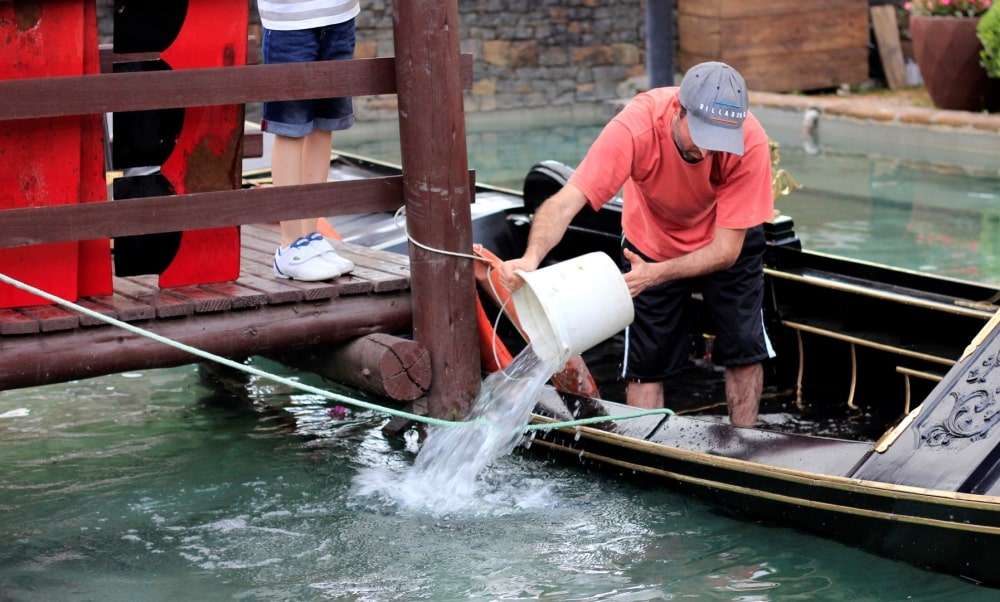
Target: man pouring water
x=696, y=172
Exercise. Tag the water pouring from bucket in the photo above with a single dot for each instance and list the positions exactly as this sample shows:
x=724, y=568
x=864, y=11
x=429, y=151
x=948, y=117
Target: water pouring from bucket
x=571, y=306
x=564, y=309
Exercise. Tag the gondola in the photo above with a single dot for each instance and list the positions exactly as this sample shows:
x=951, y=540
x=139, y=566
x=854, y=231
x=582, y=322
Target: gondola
x=877, y=422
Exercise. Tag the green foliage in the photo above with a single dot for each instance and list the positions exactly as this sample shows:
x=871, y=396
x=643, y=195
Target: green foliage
x=988, y=30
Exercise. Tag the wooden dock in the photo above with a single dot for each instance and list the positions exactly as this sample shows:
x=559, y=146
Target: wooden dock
x=256, y=314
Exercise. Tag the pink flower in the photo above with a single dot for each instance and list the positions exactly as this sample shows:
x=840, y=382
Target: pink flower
x=945, y=2
x=907, y=5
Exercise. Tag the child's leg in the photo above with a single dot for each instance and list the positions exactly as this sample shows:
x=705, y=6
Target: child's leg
x=316, y=157
x=303, y=160
x=286, y=170
x=316, y=170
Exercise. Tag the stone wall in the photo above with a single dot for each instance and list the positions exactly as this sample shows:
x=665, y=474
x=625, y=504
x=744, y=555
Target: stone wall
x=529, y=53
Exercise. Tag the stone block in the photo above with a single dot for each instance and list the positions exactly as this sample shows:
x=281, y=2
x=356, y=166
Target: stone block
x=488, y=103
x=593, y=55
x=507, y=101
x=523, y=32
x=625, y=54
x=386, y=48
x=496, y=52
x=366, y=49
x=523, y=54
x=485, y=87
x=535, y=99
x=563, y=99
x=554, y=56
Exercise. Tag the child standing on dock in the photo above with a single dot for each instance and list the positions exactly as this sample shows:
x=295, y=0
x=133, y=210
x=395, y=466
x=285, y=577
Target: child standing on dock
x=303, y=31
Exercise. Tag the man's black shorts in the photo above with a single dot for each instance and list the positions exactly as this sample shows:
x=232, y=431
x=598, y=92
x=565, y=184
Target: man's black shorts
x=657, y=344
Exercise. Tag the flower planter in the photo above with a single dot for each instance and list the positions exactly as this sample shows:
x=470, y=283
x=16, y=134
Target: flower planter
x=947, y=50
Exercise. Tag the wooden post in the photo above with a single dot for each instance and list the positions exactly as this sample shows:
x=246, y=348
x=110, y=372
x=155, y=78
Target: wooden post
x=889, y=50
x=437, y=195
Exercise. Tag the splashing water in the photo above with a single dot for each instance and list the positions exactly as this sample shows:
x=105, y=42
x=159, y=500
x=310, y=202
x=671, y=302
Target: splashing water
x=443, y=478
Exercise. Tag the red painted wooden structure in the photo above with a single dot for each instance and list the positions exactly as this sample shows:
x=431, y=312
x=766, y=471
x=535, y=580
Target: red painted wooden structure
x=204, y=155
x=428, y=78
x=52, y=161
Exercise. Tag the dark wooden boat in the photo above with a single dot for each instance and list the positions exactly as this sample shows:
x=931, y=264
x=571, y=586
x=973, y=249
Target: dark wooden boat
x=878, y=412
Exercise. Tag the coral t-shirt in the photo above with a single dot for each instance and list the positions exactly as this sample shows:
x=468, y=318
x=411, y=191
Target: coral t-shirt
x=672, y=207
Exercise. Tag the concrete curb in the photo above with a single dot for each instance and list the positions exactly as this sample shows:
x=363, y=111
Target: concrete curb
x=866, y=108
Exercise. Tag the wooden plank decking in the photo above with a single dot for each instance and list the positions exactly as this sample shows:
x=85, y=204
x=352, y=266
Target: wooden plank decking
x=257, y=313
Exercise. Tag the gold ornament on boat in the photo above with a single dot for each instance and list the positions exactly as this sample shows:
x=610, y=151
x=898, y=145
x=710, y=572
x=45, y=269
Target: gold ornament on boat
x=782, y=182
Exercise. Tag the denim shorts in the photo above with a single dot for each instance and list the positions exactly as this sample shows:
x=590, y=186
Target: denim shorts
x=298, y=118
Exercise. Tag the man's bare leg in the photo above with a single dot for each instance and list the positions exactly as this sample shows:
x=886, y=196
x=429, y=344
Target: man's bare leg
x=743, y=387
x=648, y=396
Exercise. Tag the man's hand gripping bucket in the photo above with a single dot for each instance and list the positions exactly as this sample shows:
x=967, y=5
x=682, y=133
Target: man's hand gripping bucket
x=569, y=307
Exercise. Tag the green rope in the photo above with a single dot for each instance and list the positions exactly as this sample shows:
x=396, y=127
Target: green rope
x=289, y=382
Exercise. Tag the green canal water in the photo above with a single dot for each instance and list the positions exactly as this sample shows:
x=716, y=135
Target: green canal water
x=162, y=486
x=155, y=486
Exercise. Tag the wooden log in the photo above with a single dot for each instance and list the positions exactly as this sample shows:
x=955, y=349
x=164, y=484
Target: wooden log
x=29, y=361
x=437, y=194
x=382, y=364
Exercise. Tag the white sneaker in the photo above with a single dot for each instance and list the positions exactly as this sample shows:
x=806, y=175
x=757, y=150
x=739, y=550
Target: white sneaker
x=310, y=258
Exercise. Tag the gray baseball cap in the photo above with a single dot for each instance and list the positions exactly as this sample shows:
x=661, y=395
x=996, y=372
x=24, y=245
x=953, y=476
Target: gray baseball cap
x=715, y=97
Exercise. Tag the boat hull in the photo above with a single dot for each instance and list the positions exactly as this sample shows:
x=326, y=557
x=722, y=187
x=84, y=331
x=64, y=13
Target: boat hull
x=941, y=531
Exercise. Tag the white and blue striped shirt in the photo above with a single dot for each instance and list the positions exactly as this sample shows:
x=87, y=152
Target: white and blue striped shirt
x=305, y=14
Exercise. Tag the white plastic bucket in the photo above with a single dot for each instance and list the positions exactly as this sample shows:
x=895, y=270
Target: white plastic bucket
x=569, y=307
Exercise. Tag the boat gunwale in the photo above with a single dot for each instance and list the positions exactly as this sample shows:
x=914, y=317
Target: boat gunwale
x=892, y=268
x=969, y=312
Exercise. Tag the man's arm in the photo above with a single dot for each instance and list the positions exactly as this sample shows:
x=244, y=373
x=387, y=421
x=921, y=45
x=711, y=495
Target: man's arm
x=547, y=229
x=717, y=255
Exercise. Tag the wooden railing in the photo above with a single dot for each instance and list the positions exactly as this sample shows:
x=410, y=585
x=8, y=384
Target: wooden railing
x=65, y=96
x=428, y=79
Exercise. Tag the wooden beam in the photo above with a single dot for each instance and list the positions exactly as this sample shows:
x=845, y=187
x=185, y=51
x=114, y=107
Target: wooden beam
x=889, y=49
x=114, y=92
x=85, y=353
x=150, y=215
x=253, y=145
x=437, y=193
